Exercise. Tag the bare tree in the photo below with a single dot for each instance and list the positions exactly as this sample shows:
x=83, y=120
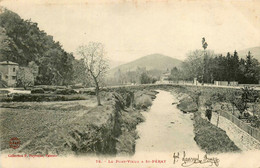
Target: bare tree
x=95, y=63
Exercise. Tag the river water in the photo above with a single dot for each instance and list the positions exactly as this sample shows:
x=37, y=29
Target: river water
x=166, y=129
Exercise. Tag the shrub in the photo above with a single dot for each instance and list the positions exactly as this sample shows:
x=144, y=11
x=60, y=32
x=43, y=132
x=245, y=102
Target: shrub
x=50, y=88
x=37, y=90
x=77, y=86
x=143, y=102
x=254, y=121
x=41, y=97
x=130, y=119
x=4, y=92
x=187, y=105
x=152, y=94
x=88, y=92
x=146, y=79
x=208, y=103
x=65, y=91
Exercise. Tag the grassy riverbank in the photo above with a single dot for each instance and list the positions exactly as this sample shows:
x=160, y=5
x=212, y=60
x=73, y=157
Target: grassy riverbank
x=75, y=127
x=209, y=138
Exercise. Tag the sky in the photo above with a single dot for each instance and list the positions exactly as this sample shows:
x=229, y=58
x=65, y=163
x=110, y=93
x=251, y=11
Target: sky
x=132, y=29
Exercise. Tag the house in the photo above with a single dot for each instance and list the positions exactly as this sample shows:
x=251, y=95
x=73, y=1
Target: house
x=8, y=72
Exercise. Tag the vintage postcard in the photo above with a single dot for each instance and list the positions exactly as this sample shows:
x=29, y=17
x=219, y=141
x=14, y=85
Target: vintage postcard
x=129, y=83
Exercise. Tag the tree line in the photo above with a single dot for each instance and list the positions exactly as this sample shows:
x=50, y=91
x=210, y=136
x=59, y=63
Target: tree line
x=138, y=76
x=208, y=67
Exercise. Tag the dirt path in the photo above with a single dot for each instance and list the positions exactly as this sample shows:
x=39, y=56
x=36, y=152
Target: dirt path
x=15, y=90
x=242, y=139
x=166, y=128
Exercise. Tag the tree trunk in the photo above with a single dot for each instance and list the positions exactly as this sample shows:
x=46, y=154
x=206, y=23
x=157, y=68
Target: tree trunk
x=98, y=96
x=97, y=92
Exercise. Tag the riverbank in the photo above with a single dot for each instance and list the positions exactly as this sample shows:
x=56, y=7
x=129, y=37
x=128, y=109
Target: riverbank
x=75, y=127
x=209, y=138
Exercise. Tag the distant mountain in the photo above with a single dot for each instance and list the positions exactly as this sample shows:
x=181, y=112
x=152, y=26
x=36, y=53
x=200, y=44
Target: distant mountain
x=150, y=62
x=113, y=64
x=255, y=51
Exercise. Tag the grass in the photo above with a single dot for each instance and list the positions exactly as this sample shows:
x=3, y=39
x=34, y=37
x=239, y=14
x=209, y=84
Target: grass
x=211, y=138
x=53, y=124
x=69, y=127
x=26, y=124
x=47, y=124
x=69, y=106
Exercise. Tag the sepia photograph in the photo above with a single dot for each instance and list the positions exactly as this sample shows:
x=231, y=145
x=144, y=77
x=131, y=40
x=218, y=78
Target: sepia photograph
x=129, y=83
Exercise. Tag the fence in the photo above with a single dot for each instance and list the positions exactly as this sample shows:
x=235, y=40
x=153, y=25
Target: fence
x=185, y=82
x=254, y=132
x=226, y=83
x=233, y=83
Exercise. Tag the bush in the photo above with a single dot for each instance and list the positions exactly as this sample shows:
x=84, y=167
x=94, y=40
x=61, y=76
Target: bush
x=152, y=94
x=37, y=90
x=146, y=79
x=130, y=119
x=50, y=88
x=77, y=86
x=65, y=91
x=88, y=92
x=4, y=92
x=187, y=105
x=254, y=121
x=41, y=97
x=143, y=102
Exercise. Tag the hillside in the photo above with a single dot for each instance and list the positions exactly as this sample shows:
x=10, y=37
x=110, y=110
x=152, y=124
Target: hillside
x=153, y=61
x=22, y=42
x=113, y=64
x=254, y=50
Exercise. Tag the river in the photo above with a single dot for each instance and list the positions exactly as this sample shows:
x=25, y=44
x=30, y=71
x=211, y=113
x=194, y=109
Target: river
x=166, y=129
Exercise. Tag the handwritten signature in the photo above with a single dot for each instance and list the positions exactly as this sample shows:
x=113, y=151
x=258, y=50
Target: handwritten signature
x=188, y=161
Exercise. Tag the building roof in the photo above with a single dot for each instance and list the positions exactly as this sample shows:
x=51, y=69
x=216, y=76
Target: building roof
x=8, y=63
